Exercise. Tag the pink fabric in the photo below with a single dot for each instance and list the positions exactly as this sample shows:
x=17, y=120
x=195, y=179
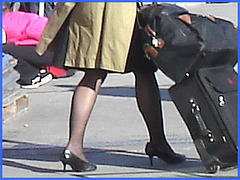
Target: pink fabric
x=23, y=28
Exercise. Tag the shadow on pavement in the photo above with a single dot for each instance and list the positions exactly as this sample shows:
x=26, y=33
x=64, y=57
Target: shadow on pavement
x=109, y=157
x=120, y=91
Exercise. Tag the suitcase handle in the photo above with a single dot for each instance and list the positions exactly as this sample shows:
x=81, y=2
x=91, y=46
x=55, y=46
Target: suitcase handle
x=203, y=127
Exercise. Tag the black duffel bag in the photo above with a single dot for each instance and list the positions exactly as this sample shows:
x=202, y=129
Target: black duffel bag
x=179, y=42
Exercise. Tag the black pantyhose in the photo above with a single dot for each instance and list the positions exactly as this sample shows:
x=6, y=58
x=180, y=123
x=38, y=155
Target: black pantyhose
x=148, y=99
x=149, y=104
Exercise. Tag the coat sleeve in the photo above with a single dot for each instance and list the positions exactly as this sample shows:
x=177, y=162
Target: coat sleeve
x=55, y=22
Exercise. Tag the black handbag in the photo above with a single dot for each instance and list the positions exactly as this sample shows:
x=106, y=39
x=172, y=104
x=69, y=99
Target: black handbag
x=179, y=42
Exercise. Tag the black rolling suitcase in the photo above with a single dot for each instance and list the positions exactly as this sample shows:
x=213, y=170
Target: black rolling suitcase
x=207, y=101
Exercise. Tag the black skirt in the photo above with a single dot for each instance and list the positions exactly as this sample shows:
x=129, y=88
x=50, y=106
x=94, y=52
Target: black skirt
x=137, y=61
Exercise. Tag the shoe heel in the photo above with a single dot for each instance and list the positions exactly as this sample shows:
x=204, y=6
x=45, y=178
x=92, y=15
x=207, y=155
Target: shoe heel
x=64, y=166
x=151, y=160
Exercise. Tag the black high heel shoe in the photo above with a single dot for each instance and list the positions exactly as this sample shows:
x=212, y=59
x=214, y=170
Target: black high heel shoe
x=77, y=164
x=167, y=156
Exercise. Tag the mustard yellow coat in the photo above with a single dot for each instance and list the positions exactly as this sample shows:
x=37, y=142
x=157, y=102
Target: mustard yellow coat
x=99, y=34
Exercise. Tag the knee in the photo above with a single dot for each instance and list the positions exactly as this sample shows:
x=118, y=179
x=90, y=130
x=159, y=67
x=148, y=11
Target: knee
x=95, y=74
x=93, y=78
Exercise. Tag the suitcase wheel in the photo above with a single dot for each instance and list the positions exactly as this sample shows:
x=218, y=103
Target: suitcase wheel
x=213, y=168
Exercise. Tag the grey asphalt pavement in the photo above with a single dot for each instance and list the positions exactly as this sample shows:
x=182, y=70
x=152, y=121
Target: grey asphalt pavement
x=116, y=134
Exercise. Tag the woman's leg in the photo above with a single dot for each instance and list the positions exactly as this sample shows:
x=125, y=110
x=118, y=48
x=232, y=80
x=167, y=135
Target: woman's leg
x=149, y=103
x=82, y=104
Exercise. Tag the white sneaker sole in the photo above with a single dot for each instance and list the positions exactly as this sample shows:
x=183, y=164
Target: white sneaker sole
x=43, y=81
x=33, y=86
x=46, y=79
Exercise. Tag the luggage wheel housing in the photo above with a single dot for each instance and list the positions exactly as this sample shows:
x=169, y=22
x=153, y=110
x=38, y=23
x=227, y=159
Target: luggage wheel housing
x=210, y=162
x=213, y=168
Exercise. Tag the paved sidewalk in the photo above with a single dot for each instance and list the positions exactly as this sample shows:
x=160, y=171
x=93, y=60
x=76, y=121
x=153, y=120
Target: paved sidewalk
x=115, y=138
x=116, y=133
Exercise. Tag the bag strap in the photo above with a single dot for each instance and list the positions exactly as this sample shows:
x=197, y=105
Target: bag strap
x=140, y=5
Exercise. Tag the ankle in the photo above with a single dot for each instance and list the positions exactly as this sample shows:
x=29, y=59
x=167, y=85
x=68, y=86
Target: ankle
x=164, y=146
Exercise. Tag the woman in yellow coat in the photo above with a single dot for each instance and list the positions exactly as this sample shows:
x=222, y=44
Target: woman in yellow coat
x=100, y=37
x=99, y=34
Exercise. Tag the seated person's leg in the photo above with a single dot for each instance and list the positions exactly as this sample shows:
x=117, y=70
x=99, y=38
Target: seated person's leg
x=30, y=76
x=28, y=54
